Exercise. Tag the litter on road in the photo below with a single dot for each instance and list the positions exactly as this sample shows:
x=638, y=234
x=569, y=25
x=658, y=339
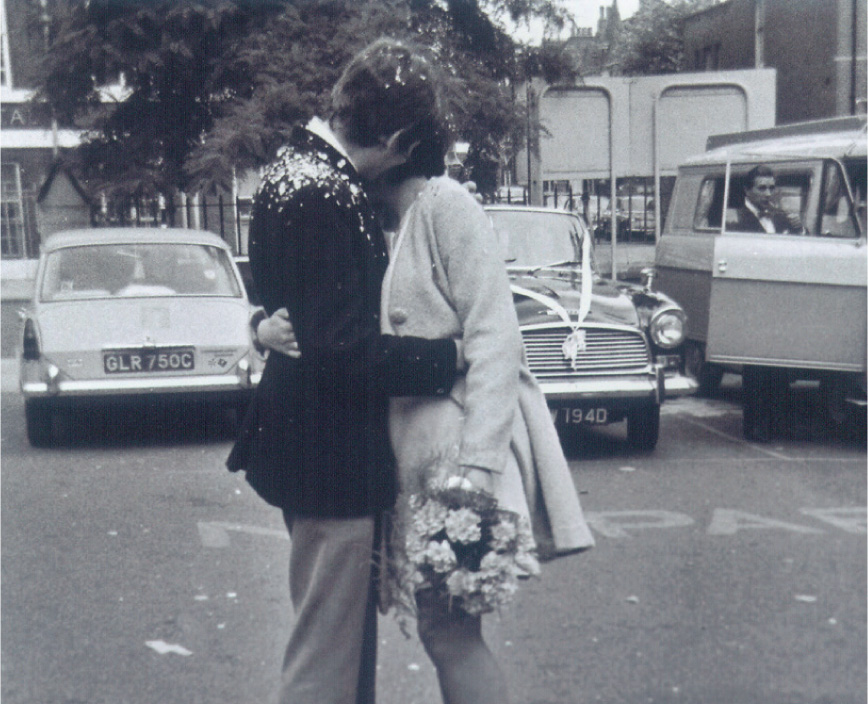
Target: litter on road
x=162, y=647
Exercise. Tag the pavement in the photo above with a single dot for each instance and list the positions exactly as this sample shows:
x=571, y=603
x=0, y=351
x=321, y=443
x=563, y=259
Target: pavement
x=8, y=374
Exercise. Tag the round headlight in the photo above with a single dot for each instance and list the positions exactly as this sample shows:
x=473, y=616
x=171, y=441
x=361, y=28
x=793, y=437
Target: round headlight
x=667, y=328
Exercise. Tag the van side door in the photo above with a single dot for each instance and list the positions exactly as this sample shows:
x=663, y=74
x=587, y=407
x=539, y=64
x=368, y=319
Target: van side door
x=685, y=253
x=793, y=300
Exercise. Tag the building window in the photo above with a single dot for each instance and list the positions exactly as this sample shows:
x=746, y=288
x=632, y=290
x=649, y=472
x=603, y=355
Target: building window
x=707, y=58
x=12, y=229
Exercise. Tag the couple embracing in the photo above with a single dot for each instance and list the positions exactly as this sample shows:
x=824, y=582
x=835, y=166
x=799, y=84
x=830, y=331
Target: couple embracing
x=396, y=361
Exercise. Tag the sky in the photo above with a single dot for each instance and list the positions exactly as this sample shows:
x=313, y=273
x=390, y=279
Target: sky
x=585, y=12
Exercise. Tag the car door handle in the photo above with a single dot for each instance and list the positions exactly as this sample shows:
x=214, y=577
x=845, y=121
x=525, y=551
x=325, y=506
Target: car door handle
x=721, y=266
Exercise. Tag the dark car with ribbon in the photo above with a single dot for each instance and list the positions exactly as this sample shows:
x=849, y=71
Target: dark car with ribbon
x=603, y=351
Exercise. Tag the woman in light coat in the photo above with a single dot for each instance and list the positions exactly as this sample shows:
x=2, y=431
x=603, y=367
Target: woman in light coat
x=446, y=278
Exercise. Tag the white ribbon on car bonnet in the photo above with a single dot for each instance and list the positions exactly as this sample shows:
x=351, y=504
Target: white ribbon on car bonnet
x=575, y=342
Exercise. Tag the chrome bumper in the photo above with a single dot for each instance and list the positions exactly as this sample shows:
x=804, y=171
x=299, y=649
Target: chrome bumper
x=32, y=385
x=655, y=386
x=679, y=385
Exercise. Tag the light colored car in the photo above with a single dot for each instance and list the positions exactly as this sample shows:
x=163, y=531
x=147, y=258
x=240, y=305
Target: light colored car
x=603, y=351
x=121, y=314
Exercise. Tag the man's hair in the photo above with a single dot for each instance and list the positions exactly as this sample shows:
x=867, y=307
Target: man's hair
x=758, y=171
x=388, y=87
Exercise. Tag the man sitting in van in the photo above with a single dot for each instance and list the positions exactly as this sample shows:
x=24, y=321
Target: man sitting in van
x=760, y=212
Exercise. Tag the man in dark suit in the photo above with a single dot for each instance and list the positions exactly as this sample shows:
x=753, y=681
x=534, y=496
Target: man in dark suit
x=315, y=442
x=760, y=212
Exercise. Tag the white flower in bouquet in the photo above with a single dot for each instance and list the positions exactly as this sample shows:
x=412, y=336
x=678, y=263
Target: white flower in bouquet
x=462, y=581
x=496, y=567
x=429, y=517
x=503, y=534
x=462, y=526
x=440, y=556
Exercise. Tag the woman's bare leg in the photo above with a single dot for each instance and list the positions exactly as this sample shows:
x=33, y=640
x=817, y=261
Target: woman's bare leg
x=466, y=669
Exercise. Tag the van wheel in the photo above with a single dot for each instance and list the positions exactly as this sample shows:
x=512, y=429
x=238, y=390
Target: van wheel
x=643, y=428
x=707, y=375
x=843, y=418
x=763, y=398
x=39, y=416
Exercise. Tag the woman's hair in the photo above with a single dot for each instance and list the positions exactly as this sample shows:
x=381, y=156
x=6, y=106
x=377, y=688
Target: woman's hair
x=389, y=87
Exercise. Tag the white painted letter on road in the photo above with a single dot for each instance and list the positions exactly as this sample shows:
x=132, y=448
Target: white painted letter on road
x=728, y=522
x=615, y=524
x=851, y=520
x=215, y=534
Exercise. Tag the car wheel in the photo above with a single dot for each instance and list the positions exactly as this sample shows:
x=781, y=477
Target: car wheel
x=643, y=428
x=39, y=417
x=708, y=376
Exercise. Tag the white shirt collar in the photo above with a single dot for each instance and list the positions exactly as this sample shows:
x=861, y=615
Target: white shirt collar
x=322, y=130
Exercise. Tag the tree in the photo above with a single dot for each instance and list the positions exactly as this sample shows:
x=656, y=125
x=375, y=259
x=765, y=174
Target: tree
x=178, y=64
x=652, y=40
x=214, y=85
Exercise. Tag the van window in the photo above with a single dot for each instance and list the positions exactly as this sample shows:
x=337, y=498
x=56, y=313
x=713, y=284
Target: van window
x=710, y=204
x=836, y=212
x=682, y=203
x=788, y=204
x=856, y=170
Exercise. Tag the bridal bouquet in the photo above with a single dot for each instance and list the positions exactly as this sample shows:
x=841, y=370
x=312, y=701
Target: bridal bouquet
x=459, y=543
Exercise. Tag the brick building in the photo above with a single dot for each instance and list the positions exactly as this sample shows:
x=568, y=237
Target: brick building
x=818, y=48
x=32, y=141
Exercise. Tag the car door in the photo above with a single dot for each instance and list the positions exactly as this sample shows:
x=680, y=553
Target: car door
x=794, y=300
x=685, y=253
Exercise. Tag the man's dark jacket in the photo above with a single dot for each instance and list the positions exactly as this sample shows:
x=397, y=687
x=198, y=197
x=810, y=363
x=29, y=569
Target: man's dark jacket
x=746, y=221
x=315, y=440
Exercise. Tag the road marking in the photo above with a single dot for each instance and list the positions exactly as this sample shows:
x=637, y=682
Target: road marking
x=614, y=524
x=733, y=438
x=727, y=521
x=851, y=520
x=623, y=524
x=215, y=534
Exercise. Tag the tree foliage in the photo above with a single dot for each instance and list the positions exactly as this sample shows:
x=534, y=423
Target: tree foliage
x=652, y=40
x=215, y=85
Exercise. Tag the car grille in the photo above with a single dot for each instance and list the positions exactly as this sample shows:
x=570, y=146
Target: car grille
x=607, y=352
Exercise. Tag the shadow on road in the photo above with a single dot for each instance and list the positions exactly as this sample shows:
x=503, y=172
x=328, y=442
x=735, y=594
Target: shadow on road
x=804, y=417
x=145, y=424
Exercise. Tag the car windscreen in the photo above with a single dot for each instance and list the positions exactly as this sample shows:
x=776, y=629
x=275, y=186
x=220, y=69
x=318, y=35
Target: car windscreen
x=138, y=270
x=530, y=239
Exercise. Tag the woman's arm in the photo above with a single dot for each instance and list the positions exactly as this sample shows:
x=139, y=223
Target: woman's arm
x=479, y=288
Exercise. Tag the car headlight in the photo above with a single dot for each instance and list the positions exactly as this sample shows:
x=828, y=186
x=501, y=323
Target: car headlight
x=667, y=328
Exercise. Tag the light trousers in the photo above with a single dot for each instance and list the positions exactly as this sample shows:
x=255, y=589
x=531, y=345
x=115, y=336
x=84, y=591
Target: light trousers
x=330, y=569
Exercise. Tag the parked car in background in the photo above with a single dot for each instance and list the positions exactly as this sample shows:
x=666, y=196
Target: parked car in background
x=130, y=314
x=787, y=310
x=603, y=351
x=634, y=215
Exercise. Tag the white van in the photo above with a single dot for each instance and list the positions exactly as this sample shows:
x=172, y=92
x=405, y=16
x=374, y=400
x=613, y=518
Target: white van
x=785, y=301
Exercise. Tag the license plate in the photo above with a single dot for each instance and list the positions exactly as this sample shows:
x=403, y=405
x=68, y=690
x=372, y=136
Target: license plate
x=165, y=360
x=580, y=416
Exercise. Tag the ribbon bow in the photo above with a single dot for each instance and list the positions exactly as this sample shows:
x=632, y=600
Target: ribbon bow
x=575, y=342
